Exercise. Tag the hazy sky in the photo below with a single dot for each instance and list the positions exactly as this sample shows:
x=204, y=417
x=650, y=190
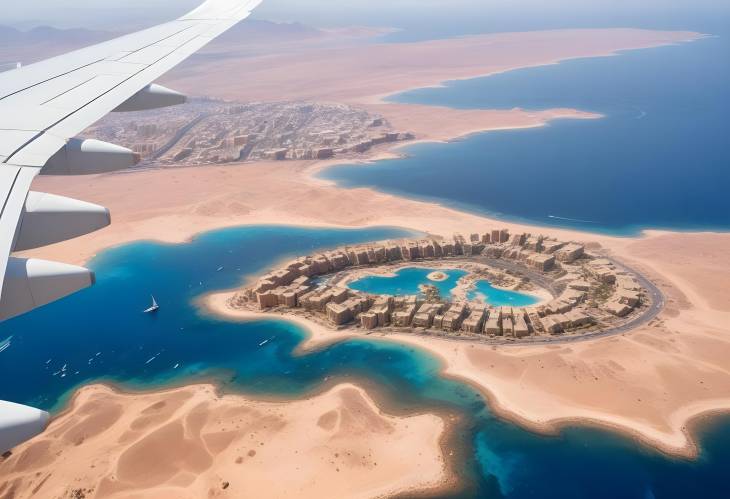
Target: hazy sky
x=490, y=14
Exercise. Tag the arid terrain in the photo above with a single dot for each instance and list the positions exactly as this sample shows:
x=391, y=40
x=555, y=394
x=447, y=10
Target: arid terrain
x=191, y=443
x=652, y=383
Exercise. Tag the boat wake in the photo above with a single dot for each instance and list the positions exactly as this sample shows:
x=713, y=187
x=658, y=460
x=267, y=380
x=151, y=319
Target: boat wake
x=5, y=344
x=573, y=219
x=152, y=358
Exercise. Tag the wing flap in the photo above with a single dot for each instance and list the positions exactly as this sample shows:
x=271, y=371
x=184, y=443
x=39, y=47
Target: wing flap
x=37, y=152
x=11, y=140
x=14, y=187
x=45, y=104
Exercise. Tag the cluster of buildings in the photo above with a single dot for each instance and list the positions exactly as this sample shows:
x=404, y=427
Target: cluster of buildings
x=206, y=131
x=626, y=292
x=299, y=285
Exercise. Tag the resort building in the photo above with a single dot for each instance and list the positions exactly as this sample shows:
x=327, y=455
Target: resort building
x=492, y=326
x=473, y=324
x=425, y=314
x=520, y=328
x=454, y=316
x=317, y=284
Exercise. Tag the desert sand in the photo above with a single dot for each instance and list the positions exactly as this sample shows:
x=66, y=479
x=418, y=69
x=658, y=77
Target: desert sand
x=276, y=193
x=651, y=383
x=366, y=72
x=191, y=443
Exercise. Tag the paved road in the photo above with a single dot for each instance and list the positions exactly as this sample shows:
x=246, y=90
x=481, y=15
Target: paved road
x=176, y=138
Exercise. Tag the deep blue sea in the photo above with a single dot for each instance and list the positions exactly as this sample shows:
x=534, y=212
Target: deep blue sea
x=141, y=351
x=407, y=281
x=659, y=158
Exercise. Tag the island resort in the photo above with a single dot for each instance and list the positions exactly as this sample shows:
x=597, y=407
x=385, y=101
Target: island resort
x=494, y=287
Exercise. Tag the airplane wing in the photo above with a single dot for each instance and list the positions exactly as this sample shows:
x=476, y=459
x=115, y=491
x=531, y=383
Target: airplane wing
x=42, y=108
x=44, y=105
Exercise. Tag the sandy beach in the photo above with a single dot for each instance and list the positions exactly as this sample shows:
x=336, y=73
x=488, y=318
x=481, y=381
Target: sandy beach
x=191, y=443
x=651, y=383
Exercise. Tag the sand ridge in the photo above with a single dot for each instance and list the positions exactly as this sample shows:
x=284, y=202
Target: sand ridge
x=191, y=442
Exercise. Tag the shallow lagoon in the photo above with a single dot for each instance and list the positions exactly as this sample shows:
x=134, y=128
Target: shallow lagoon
x=408, y=281
x=484, y=291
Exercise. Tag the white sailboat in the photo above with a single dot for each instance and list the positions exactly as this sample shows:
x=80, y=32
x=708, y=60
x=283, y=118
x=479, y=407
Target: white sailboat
x=154, y=308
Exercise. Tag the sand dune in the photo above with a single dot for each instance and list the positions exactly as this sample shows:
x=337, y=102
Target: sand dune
x=192, y=443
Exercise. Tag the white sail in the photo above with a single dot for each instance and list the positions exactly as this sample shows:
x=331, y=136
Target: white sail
x=153, y=308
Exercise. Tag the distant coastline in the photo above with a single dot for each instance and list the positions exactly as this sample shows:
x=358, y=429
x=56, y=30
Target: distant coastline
x=288, y=195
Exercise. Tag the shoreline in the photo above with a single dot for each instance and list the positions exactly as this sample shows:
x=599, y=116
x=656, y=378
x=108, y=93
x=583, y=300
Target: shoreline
x=681, y=443
x=692, y=37
x=701, y=314
x=390, y=427
x=457, y=124
x=390, y=154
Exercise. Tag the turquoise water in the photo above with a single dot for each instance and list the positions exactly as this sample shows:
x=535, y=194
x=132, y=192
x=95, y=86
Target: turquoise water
x=407, y=281
x=659, y=158
x=502, y=460
x=484, y=291
x=142, y=350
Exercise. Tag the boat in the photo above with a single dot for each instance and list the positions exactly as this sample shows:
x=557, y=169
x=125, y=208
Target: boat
x=263, y=343
x=153, y=308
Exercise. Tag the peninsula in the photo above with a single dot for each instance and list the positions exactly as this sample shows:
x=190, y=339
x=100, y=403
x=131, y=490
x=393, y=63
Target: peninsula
x=191, y=442
x=650, y=380
x=586, y=295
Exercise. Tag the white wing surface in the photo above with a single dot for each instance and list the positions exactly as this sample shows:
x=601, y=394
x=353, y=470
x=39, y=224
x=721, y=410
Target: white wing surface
x=43, y=106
